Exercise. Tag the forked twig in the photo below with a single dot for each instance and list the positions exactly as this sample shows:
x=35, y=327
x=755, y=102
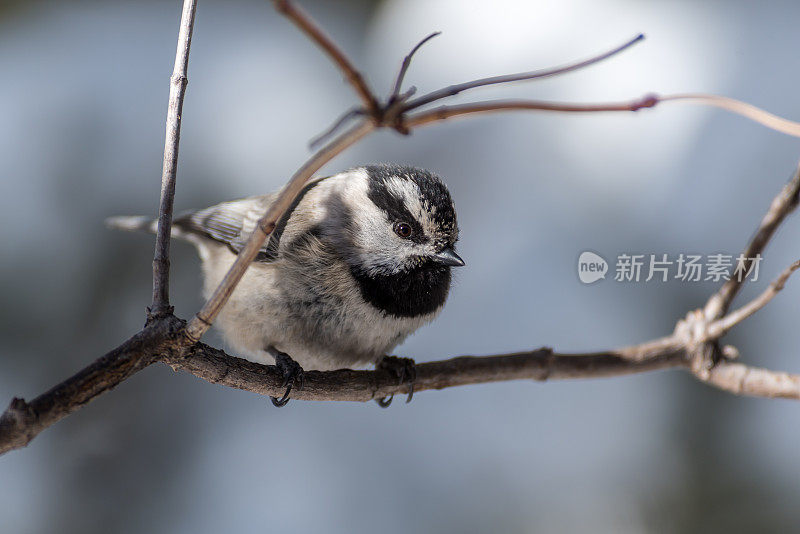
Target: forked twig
x=522, y=76
x=398, y=82
x=722, y=326
x=783, y=204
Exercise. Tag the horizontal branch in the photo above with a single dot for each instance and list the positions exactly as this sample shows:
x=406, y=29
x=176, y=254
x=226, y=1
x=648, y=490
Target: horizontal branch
x=164, y=341
x=453, y=90
x=770, y=120
x=214, y=366
x=741, y=379
x=494, y=106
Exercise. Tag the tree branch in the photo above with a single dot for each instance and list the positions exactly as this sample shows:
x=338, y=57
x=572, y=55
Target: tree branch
x=177, y=89
x=453, y=90
x=782, y=205
x=214, y=366
x=301, y=19
x=493, y=106
x=722, y=326
x=22, y=421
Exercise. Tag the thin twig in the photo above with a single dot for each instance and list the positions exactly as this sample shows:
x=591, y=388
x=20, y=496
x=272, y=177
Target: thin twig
x=341, y=121
x=177, y=89
x=398, y=82
x=493, y=106
x=765, y=118
x=722, y=326
x=301, y=19
x=203, y=319
x=522, y=76
x=782, y=205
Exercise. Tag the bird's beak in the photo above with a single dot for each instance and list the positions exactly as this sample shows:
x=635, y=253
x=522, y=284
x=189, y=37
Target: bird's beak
x=448, y=257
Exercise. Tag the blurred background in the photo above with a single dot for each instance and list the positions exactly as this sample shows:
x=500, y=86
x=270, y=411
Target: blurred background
x=82, y=106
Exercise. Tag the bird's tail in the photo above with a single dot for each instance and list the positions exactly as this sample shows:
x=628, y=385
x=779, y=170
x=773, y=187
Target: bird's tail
x=132, y=223
x=142, y=223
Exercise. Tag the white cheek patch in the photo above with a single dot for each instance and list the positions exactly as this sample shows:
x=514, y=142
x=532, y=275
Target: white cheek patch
x=372, y=230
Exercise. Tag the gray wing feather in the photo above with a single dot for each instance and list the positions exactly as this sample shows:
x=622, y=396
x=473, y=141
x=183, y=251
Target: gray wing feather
x=230, y=223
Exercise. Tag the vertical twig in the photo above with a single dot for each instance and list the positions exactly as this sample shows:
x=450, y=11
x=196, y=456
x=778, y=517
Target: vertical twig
x=177, y=89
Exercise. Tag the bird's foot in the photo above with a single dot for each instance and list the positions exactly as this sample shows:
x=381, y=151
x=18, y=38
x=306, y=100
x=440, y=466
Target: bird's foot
x=406, y=372
x=292, y=374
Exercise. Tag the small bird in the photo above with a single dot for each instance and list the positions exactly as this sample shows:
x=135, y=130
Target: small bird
x=358, y=262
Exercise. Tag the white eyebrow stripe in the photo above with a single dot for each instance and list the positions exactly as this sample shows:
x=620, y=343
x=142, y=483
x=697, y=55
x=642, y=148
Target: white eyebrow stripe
x=409, y=191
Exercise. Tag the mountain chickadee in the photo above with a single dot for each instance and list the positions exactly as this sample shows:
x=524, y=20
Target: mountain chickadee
x=358, y=262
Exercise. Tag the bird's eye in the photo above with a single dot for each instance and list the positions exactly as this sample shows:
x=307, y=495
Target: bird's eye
x=402, y=229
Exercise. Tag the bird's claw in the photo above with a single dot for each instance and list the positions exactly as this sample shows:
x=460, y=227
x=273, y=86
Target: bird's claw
x=292, y=374
x=384, y=402
x=406, y=372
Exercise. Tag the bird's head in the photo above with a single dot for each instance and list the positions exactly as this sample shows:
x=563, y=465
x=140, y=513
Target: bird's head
x=401, y=219
x=396, y=228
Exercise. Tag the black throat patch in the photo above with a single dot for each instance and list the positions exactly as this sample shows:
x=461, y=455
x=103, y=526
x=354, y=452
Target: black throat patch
x=419, y=291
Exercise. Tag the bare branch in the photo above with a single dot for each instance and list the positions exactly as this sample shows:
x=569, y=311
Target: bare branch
x=398, y=82
x=301, y=19
x=23, y=421
x=783, y=204
x=522, y=76
x=740, y=379
x=338, y=123
x=493, y=106
x=721, y=327
x=164, y=341
x=773, y=122
x=177, y=89
x=213, y=365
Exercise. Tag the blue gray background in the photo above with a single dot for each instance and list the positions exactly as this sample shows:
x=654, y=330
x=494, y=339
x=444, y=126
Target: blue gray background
x=83, y=93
